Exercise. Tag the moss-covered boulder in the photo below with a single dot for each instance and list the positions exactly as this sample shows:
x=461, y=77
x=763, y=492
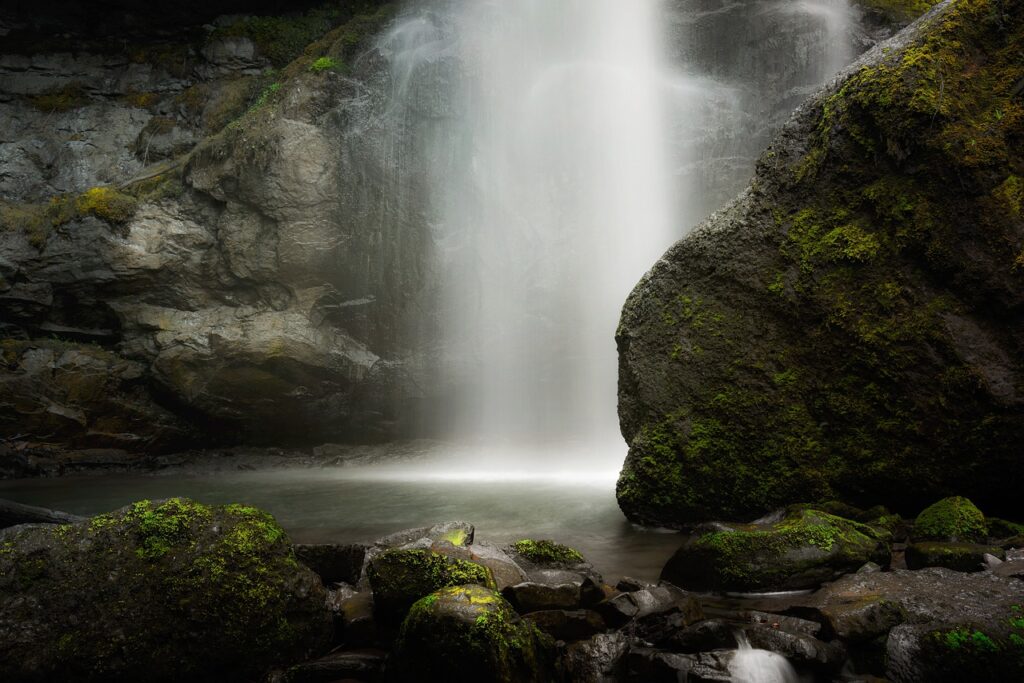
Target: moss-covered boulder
x=803, y=550
x=401, y=577
x=849, y=326
x=164, y=591
x=469, y=634
x=961, y=557
x=951, y=519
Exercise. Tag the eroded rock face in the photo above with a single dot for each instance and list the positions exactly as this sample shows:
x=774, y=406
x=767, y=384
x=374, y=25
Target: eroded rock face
x=257, y=286
x=157, y=591
x=848, y=324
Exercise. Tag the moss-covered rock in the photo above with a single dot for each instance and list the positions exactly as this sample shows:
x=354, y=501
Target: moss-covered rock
x=847, y=328
x=961, y=557
x=897, y=12
x=951, y=519
x=468, y=634
x=803, y=550
x=958, y=652
x=401, y=577
x=544, y=552
x=164, y=591
x=1002, y=528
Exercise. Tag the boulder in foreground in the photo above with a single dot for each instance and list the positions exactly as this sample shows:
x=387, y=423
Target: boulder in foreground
x=464, y=634
x=156, y=591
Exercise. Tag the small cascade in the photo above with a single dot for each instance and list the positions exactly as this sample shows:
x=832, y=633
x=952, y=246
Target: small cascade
x=751, y=665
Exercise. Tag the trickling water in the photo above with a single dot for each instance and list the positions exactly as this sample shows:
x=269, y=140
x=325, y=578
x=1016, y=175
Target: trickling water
x=750, y=665
x=567, y=144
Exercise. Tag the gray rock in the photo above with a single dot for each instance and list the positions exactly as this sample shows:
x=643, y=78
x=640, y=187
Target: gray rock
x=568, y=625
x=361, y=665
x=798, y=648
x=598, y=660
x=13, y=513
x=533, y=597
x=333, y=563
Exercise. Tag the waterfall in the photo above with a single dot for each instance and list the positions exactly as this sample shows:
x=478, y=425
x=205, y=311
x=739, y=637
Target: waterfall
x=750, y=665
x=566, y=144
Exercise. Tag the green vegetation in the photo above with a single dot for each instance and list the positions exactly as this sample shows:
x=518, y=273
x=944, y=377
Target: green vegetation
x=325, y=64
x=547, y=552
x=469, y=633
x=954, y=518
x=282, y=39
x=38, y=220
x=401, y=577
x=107, y=204
x=756, y=558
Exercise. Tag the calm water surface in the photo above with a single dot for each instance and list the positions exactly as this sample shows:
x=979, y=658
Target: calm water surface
x=346, y=504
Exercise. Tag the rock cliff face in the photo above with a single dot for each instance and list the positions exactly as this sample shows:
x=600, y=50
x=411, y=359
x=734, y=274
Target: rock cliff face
x=196, y=233
x=851, y=324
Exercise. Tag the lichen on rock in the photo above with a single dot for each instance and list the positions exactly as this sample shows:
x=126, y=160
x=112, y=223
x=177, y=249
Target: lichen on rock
x=106, y=599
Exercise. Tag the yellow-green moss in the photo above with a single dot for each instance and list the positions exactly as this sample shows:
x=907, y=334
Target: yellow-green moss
x=546, y=552
x=107, y=204
x=324, y=64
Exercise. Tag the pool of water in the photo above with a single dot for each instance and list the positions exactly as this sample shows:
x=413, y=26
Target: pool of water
x=358, y=504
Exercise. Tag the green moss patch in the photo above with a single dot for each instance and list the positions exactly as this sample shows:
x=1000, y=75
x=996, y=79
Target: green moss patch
x=546, y=552
x=954, y=519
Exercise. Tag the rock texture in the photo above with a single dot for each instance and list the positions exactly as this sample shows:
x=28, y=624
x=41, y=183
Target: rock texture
x=252, y=283
x=159, y=591
x=849, y=326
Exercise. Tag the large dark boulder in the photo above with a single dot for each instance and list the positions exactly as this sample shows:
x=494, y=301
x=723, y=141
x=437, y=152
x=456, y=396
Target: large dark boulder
x=850, y=325
x=165, y=591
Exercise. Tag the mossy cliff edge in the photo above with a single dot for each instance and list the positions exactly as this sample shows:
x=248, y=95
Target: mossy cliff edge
x=850, y=326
